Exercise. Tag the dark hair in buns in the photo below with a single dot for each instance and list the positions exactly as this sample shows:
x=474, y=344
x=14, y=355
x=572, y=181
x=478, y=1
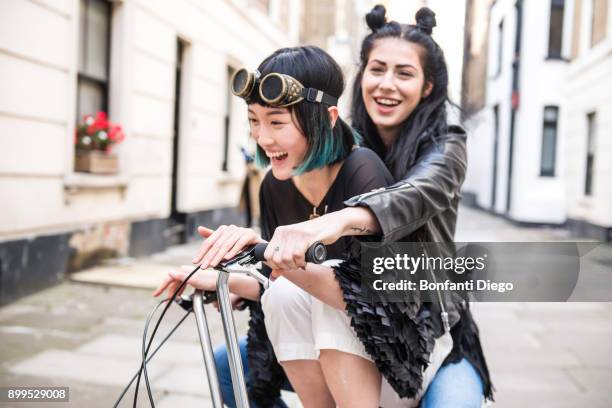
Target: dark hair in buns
x=426, y=19
x=428, y=120
x=376, y=18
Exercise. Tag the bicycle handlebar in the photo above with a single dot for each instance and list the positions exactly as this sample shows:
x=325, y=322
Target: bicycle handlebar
x=316, y=253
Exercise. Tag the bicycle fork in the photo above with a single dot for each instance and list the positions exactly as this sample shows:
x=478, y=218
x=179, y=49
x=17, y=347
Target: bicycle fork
x=231, y=338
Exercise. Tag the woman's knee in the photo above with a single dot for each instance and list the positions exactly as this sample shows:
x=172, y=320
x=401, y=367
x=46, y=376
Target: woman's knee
x=284, y=297
x=222, y=360
x=455, y=385
x=222, y=363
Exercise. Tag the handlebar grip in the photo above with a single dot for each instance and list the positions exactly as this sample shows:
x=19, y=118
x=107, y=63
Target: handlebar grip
x=317, y=253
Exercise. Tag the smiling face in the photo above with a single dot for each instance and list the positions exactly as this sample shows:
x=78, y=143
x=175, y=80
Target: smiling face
x=393, y=83
x=275, y=131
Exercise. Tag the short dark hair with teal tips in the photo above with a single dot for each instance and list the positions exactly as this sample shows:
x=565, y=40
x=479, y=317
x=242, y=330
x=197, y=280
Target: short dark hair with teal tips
x=314, y=68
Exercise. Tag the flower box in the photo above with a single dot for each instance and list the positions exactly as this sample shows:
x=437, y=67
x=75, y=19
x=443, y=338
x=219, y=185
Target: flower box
x=94, y=139
x=96, y=162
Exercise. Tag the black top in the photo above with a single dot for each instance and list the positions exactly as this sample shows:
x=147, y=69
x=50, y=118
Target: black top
x=283, y=204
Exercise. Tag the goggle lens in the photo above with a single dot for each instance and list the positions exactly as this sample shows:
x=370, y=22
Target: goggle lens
x=272, y=89
x=242, y=83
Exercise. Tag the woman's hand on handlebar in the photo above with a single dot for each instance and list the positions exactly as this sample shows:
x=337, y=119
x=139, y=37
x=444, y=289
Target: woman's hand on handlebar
x=289, y=243
x=224, y=243
x=202, y=279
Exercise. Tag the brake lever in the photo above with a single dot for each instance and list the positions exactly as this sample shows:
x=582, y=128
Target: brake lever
x=245, y=257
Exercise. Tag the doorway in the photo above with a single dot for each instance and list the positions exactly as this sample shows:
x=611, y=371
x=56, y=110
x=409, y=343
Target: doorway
x=176, y=232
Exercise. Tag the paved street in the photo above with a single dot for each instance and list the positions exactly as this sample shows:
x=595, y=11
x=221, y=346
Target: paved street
x=87, y=335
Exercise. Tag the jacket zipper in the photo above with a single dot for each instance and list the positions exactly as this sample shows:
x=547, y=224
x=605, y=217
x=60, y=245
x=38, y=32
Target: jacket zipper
x=383, y=190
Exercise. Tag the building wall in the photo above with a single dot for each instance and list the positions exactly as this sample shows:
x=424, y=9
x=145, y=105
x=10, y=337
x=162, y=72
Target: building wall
x=475, y=55
x=536, y=198
x=533, y=198
x=37, y=110
x=481, y=129
x=43, y=196
x=586, y=89
x=319, y=22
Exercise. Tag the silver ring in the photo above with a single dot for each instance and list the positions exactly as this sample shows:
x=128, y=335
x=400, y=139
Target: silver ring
x=276, y=248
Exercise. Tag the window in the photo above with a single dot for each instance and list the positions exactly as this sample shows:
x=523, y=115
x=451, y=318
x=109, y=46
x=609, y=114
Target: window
x=228, y=121
x=549, y=141
x=590, y=159
x=500, y=45
x=555, y=34
x=495, y=148
x=94, y=51
x=599, y=21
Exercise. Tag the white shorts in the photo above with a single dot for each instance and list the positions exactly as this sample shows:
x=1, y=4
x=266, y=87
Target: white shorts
x=299, y=326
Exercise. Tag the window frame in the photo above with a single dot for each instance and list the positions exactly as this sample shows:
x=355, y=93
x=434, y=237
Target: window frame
x=556, y=4
x=500, y=47
x=227, y=121
x=84, y=77
x=590, y=153
x=547, y=124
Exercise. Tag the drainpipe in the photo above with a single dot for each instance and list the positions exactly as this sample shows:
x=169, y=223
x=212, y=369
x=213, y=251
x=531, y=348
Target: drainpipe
x=516, y=64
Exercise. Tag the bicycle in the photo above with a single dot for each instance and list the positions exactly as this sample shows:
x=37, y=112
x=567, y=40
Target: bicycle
x=243, y=263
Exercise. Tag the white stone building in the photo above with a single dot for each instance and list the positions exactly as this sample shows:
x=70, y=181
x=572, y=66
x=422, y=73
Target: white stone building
x=160, y=69
x=512, y=169
x=587, y=114
x=527, y=144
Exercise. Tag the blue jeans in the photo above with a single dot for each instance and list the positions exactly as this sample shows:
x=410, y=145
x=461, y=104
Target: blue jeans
x=225, y=376
x=454, y=385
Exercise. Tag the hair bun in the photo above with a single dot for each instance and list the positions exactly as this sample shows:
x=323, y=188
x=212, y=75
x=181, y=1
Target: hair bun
x=426, y=19
x=376, y=18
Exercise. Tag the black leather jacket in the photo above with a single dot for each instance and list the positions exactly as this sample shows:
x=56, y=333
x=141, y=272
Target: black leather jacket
x=423, y=205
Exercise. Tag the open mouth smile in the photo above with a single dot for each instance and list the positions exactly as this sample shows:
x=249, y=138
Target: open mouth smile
x=277, y=156
x=387, y=102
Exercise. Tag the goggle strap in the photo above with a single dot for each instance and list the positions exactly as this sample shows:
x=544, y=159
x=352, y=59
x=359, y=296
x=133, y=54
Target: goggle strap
x=317, y=96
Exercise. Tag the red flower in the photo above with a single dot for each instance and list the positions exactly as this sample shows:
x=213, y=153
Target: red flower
x=101, y=116
x=92, y=128
x=114, y=132
x=101, y=121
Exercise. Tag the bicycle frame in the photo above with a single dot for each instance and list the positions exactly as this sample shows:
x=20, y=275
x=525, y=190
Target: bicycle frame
x=229, y=331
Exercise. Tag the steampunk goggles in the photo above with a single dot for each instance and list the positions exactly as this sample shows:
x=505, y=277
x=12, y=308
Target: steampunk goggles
x=278, y=90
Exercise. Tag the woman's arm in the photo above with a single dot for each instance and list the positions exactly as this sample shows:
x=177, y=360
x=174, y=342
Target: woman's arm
x=431, y=187
x=241, y=285
x=358, y=221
